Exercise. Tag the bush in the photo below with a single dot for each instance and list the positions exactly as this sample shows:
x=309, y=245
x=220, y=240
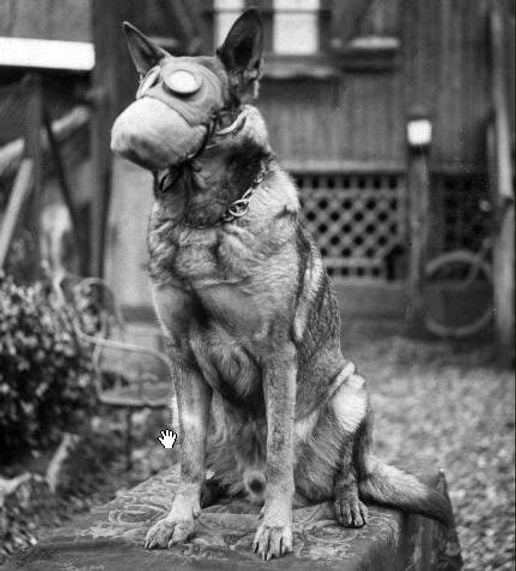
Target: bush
x=46, y=384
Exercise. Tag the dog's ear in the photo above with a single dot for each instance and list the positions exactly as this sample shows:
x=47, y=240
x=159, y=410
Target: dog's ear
x=241, y=54
x=144, y=53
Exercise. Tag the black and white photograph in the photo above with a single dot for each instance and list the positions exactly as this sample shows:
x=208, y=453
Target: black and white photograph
x=257, y=285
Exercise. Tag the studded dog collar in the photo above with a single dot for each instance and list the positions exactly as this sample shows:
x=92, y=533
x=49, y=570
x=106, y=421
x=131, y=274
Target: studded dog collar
x=237, y=209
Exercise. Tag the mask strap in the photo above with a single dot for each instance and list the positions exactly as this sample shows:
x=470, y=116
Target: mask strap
x=234, y=128
x=173, y=174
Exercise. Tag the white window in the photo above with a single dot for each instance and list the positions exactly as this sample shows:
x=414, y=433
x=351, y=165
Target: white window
x=295, y=28
x=226, y=12
x=291, y=27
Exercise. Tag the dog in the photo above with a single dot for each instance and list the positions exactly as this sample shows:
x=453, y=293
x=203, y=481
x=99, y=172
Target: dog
x=266, y=399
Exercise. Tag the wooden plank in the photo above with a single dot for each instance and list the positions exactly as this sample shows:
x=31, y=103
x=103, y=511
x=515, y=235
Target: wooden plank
x=17, y=200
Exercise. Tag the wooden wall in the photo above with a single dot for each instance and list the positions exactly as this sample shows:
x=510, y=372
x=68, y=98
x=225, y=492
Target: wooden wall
x=361, y=116
x=358, y=116
x=446, y=68
x=46, y=19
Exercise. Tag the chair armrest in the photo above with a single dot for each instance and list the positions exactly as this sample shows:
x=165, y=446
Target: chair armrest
x=121, y=346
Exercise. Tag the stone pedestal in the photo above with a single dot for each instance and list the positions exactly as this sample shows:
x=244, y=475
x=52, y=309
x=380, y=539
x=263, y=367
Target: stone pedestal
x=111, y=538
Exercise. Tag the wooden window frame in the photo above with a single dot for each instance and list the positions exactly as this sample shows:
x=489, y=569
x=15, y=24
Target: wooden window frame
x=364, y=52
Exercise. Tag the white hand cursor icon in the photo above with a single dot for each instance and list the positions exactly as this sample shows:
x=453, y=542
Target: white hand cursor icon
x=167, y=438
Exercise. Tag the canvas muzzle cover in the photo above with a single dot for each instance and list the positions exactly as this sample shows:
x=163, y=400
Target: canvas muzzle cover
x=169, y=119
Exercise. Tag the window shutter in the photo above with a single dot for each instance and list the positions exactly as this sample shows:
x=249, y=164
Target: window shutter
x=382, y=19
x=358, y=18
x=347, y=20
x=182, y=19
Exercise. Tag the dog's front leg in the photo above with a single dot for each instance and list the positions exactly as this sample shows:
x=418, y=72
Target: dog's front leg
x=274, y=535
x=193, y=399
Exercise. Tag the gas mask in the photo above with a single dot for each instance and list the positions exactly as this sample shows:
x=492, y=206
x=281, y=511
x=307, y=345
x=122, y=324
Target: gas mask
x=178, y=107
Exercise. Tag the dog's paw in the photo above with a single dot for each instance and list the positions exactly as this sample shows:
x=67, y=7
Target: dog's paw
x=272, y=541
x=350, y=512
x=167, y=532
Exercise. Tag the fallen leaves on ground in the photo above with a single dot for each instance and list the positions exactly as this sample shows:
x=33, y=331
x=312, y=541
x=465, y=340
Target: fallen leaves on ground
x=436, y=406
x=440, y=405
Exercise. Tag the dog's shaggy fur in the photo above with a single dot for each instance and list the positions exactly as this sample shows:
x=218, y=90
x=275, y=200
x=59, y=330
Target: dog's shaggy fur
x=266, y=399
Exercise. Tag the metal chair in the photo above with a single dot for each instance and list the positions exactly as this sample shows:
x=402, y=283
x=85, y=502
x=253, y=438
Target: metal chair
x=127, y=375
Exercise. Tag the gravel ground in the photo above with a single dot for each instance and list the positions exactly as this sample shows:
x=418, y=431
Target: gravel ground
x=438, y=405
x=435, y=405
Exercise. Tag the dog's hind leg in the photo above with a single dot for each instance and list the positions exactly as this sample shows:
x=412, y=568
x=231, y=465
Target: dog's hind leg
x=349, y=510
x=351, y=408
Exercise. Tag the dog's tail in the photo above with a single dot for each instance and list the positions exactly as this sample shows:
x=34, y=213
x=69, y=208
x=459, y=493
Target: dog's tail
x=383, y=484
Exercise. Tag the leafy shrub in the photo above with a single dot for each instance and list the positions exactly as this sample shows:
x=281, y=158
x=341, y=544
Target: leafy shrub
x=45, y=381
x=21, y=262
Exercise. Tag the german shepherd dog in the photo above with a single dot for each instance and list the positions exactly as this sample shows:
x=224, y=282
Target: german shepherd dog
x=265, y=398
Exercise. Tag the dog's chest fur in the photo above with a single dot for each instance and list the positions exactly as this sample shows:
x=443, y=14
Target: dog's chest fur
x=218, y=297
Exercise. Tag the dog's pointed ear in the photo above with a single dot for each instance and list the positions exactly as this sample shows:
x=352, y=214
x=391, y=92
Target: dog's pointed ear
x=241, y=54
x=144, y=53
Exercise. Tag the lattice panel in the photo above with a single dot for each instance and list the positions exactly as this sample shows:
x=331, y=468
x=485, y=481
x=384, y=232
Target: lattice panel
x=466, y=211
x=356, y=219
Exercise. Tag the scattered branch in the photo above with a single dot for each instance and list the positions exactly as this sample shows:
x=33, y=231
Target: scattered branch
x=55, y=467
x=9, y=486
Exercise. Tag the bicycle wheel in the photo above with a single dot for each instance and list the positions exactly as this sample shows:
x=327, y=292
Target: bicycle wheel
x=458, y=295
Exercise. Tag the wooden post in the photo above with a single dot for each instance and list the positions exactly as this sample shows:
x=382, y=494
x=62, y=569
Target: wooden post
x=111, y=77
x=104, y=89
x=419, y=134
x=34, y=150
x=501, y=171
